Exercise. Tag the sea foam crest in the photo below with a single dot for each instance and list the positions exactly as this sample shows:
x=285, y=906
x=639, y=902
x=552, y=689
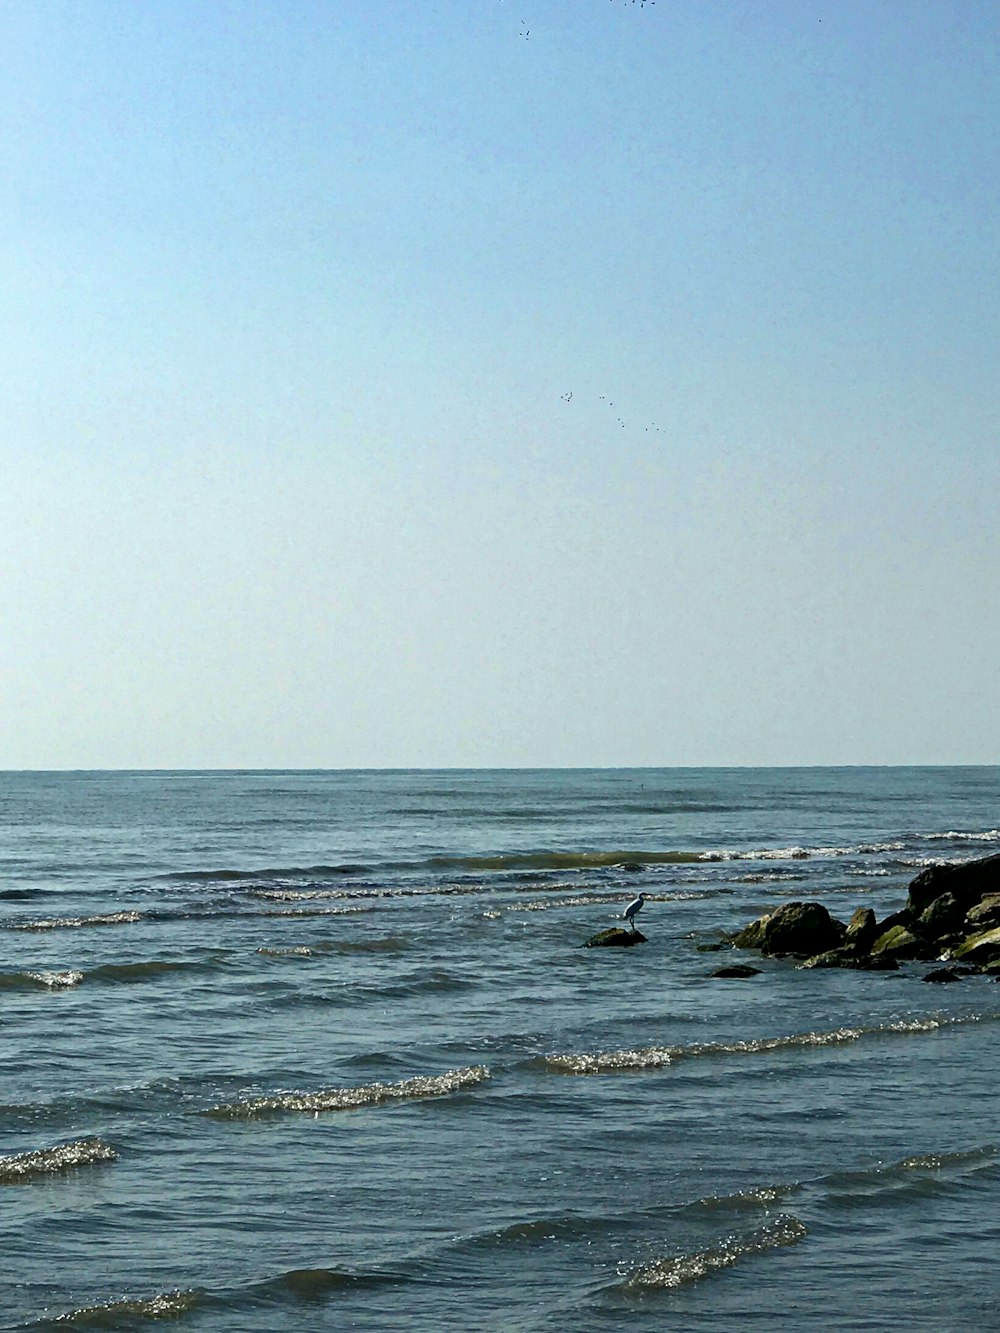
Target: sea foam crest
x=46, y=980
x=348, y=1099
x=75, y=922
x=679, y=1271
x=656, y=1057
x=48, y=1161
x=955, y=835
x=114, y=1314
x=56, y=980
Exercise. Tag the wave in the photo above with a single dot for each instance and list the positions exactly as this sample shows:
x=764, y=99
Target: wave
x=273, y=872
x=140, y=971
x=308, y=911
x=76, y=922
x=262, y=880
x=26, y=1166
x=349, y=1099
x=53, y=980
x=743, y=1200
x=681, y=1270
x=953, y=835
x=122, y=1314
x=657, y=1057
x=923, y=1172
x=67, y=978
x=311, y=1284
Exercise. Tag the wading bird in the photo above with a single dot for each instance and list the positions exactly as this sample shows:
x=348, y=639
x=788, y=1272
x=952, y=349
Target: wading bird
x=634, y=906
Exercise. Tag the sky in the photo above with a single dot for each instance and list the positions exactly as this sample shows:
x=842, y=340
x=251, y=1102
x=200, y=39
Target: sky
x=447, y=383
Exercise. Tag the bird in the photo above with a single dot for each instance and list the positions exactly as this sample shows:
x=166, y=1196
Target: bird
x=634, y=906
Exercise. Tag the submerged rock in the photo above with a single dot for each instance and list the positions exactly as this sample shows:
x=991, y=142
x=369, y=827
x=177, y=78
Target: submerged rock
x=616, y=936
x=942, y=974
x=737, y=971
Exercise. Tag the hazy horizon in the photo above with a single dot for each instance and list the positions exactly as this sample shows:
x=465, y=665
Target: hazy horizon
x=568, y=384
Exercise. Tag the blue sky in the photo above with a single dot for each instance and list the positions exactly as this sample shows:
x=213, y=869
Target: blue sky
x=499, y=382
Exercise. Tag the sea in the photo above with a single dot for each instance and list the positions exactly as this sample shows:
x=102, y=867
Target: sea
x=324, y=1050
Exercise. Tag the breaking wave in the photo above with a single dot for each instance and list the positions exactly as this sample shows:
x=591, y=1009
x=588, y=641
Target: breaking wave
x=681, y=1270
x=349, y=1099
x=76, y=922
x=52, y=980
x=26, y=1166
x=657, y=1057
x=123, y=1314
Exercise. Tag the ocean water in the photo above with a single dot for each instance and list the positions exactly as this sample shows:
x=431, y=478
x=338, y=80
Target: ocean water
x=322, y=1050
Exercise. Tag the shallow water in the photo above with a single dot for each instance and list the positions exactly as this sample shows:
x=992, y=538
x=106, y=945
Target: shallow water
x=321, y=1050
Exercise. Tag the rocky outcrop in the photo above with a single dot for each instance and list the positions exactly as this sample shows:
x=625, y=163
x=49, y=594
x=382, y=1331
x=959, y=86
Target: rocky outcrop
x=796, y=928
x=952, y=913
x=968, y=883
x=615, y=938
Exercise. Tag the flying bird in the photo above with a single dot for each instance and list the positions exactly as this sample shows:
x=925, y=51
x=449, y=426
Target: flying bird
x=634, y=906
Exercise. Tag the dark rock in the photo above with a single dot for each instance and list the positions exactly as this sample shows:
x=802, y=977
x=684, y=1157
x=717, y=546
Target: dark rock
x=615, y=937
x=967, y=882
x=903, y=918
x=803, y=929
x=899, y=942
x=752, y=936
x=942, y=915
x=985, y=913
x=737, y=971
x=882, y=962
x=862, y=930
x=845, y=957
x=942, y=974
x=982, y=947
x=717, y=947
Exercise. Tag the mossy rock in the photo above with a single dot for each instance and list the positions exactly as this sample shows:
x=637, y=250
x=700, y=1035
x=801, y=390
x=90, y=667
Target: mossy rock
x=615, y=938
x=898, y=942
x=846, y=957
x=981, y=948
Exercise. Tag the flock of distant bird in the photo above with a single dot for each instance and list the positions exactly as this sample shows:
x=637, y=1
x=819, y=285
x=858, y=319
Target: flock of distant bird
x=526, y=31
x=651, y=428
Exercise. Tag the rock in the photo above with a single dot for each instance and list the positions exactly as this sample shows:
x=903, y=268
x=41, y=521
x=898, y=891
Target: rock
x=845, y=957
x=899, y=942
x=803, y=929
x=985, y=913
x=942, y=974
x=903, y=918
x=862, y=930
x=882, y=962
x=942, y=915
x=737, y=971
x=983, y=947
x=752, y=936
x=967, y=882
x=616, y=936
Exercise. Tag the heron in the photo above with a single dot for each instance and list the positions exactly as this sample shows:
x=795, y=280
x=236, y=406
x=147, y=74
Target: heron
x=634, y=906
